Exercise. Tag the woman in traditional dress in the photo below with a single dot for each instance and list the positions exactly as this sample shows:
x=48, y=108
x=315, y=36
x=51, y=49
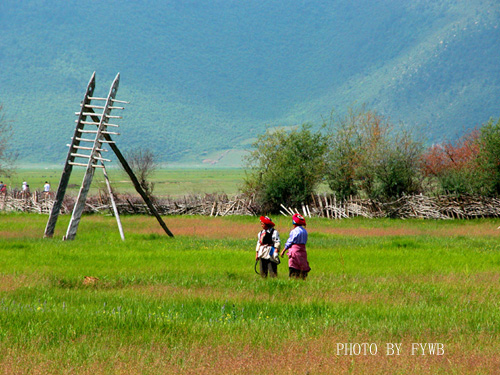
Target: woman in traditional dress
x=296, y=245
x=268, y=248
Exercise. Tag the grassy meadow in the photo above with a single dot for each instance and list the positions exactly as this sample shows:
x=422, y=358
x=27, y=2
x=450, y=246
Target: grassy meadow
x=171, y=182
x=194, y=305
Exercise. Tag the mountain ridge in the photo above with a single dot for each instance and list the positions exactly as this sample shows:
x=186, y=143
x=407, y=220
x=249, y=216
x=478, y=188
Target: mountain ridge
x=204, y=78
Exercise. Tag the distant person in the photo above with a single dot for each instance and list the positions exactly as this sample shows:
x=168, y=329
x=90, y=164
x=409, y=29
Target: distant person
x=298, y=265
x=268, y=247
x=46, y=189
x=25, y=189
x=3, y=188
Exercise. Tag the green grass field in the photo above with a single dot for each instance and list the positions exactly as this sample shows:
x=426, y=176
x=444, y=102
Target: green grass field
x=193, y=304
x=168, y=181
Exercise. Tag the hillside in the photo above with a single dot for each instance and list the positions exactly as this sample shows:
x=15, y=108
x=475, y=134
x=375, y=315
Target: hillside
x=205, y=77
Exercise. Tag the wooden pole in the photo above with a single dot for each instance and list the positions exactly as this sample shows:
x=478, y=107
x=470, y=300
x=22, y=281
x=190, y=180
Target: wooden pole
x=321, y=206
x=134, y=179
x=335, y=205
x=137, y=185
x=327, y=207
x=89, y=172
x=290, y=212
x=115, y=209
x=63, y=183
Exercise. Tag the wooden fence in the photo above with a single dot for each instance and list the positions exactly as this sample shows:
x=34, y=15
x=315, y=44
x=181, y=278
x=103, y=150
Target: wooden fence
x=414, y=206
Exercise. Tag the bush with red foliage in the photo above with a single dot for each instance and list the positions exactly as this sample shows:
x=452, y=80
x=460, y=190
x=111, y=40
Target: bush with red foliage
x=455, y=164
x=441, y=158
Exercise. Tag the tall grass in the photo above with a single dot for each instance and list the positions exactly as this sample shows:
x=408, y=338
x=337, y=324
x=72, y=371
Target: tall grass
x=186, y=301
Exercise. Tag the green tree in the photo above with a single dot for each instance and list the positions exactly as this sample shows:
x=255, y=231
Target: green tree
x=489, y=157
x=353, y=143
x=398, y=167
x=285, y=167
x=367, y=156
x=344, y=156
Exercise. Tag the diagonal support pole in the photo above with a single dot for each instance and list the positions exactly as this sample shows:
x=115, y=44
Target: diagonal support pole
x=137, y=185
x=134, y=180
x=113, y=204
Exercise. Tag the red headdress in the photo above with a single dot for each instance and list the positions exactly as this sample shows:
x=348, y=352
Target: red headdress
x=298, y=219
x=266, y=220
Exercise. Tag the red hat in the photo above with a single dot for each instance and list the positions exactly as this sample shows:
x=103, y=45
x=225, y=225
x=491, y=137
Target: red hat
x=298, y=219
x=266, y=220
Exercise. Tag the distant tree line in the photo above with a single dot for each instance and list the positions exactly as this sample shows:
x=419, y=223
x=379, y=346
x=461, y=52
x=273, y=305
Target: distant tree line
x=363, y=154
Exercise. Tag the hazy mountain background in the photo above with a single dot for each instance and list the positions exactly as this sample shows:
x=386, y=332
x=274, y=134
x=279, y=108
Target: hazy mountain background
x=204, y=78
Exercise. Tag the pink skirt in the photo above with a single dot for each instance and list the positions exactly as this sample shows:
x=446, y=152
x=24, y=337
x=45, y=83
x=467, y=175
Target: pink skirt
x=297, y=258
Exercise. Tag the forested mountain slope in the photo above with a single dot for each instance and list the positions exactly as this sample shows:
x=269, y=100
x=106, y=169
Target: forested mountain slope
x=205, y=77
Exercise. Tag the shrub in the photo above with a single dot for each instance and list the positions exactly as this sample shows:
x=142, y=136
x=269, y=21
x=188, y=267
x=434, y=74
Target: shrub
x=455, y=166
x=285, y=167
x=397, y=168
x=143, y=163
x=489, y=157
x=367, y=157
x=352, y=143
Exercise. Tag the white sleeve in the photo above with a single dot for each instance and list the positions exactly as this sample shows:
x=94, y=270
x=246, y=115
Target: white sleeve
x=276, y=239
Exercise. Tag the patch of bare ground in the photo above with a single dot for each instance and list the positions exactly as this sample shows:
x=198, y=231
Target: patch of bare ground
x=9, y=283
x=225, y=227
x=219, y=228
x=212, y=228
x=5, y=234
x=438, y=232
x=297, y=356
